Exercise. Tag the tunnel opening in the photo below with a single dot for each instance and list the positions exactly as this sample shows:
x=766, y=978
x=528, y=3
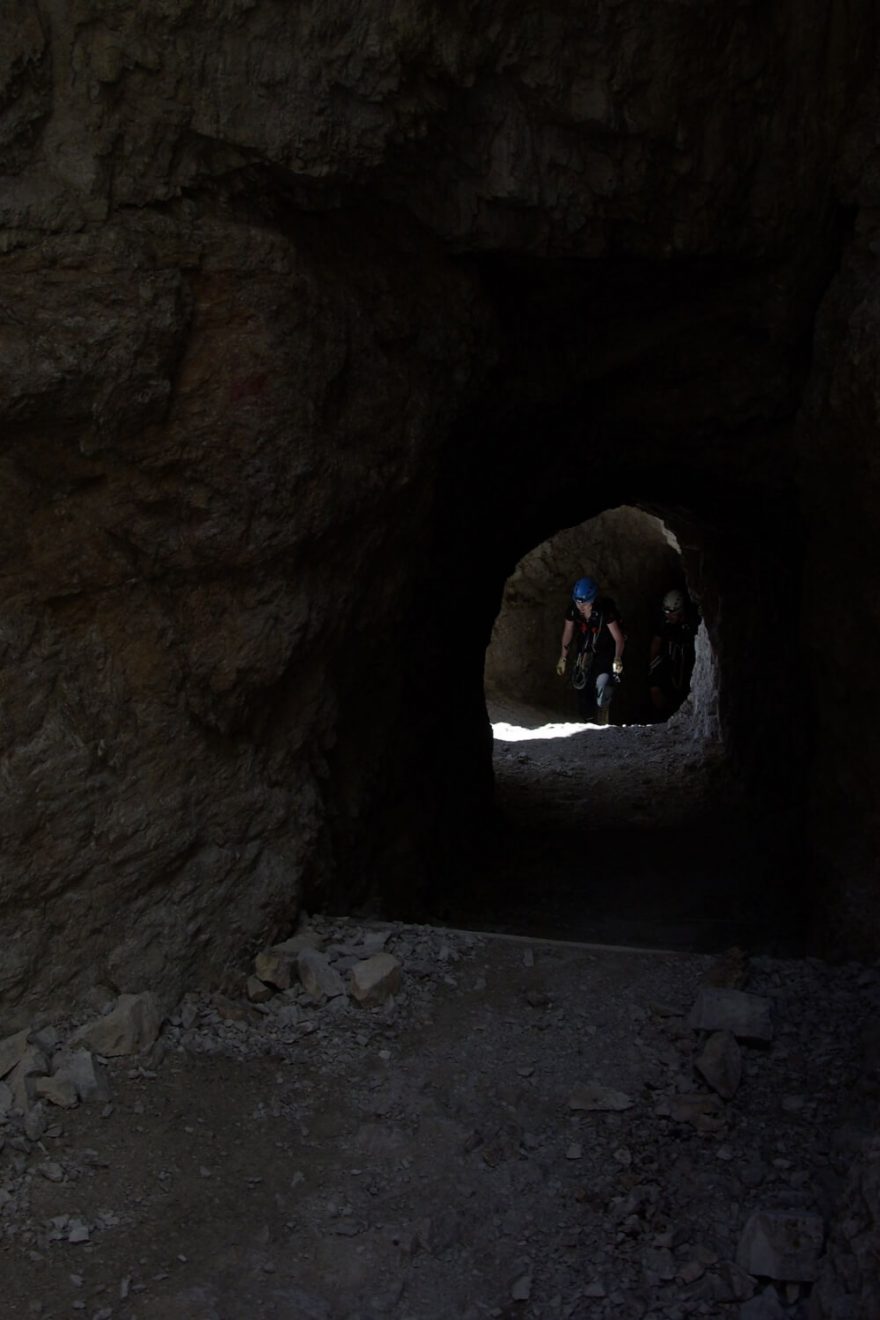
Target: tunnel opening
x=681, y=833
x=643, y=832
x=670, y=391
x=636, y=562
x=632, y=827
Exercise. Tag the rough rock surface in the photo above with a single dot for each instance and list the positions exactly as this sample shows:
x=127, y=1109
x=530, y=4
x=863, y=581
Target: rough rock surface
x=424, y=1159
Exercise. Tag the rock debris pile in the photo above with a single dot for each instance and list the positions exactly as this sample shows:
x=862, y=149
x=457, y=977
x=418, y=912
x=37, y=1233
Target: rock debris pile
x=427, y=1124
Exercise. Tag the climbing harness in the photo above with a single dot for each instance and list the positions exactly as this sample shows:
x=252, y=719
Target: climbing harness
x=590, y=629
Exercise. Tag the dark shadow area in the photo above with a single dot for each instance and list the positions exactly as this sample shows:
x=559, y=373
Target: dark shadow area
x=634, y=836
x=669, y=392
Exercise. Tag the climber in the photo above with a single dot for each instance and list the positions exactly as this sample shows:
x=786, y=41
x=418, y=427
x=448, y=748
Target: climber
x=672, y=653
x=593, y=633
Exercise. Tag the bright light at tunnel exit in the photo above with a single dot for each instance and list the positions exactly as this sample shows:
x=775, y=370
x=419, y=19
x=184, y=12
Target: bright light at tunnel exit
x=515, y=733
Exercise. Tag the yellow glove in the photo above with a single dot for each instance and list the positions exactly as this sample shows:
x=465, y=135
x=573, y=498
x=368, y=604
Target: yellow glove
x=560, y=666
x=617, y=667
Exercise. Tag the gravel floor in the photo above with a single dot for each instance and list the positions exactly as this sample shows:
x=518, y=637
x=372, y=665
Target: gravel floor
x=509, y=1135
x=633, y=835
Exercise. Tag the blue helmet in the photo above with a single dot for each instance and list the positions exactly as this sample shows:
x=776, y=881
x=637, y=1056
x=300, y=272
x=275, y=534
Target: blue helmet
x=585, y=588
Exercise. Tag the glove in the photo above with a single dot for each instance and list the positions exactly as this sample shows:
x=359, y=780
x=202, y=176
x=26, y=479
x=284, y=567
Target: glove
x=560, y=666
x=617, y=669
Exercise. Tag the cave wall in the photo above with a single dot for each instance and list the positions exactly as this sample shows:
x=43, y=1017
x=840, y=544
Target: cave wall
x=839, y=484
x=191, y=471
x=293, y=298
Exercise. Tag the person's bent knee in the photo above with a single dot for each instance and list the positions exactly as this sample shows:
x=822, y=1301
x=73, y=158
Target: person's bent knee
x=604, y=690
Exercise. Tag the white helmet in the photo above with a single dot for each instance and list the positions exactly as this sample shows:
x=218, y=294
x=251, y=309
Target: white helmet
x=673, y=602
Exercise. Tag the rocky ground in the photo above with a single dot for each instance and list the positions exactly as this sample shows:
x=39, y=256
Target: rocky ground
x=430, y=1124
x=525, y=1128
x=635, y=835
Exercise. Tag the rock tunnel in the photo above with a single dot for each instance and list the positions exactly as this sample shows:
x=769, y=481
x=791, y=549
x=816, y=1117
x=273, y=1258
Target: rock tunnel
x=314, y=323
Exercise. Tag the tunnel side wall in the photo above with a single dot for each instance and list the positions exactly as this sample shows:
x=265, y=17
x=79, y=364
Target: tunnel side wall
x=204, y=616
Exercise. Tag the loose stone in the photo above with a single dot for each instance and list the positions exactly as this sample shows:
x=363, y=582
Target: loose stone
x=521, y=1289
x=766, y=1306
x=705, y=1113
x=746, y=1016
x=131, y=1027
x=57, y=1090
x=12, y=1050
x=782, y=1244
x=593, y=1097
x=721, y=1064
x=257, y=991
x=375, y=979
x=317, y=976
x=274, y=968
x=32, y=1064
x=78, y=1068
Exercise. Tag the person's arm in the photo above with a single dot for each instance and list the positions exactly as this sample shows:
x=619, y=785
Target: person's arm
x=656, y=647
x=567, y=631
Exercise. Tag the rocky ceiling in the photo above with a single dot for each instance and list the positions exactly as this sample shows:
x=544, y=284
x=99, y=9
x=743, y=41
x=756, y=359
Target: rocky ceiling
x=313, y=320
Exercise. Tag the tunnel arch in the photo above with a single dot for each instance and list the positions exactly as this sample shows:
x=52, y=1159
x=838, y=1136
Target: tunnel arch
x=500, y=490
x=636, y=560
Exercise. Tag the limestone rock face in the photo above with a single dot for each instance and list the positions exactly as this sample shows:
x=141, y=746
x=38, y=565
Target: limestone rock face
x=293, y=295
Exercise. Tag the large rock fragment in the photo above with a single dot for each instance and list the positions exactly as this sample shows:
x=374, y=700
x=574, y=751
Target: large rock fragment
x=58, y=1091
x=317, y=976
x=274, y=967
x=849, y=1282
x=258, y=992
x=599, y=1098
x=705, y=1113
x=721, y=1064
x=306, y=939
x=22, y=1079
x=131, y=1027
x=766, y=1306
x=745, y=1016
x=78, y=1069
x=729, y=1283
x=12, y=1050
x=782, y=1244
x=375, y=979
